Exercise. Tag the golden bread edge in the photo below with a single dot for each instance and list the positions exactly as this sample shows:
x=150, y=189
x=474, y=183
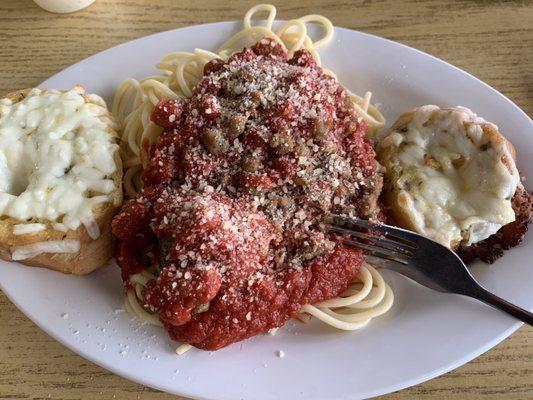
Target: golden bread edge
x=92, y=253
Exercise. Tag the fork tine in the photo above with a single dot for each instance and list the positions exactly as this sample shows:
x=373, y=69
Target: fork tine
x=356, y=223
x=376, y=240
x=378, y=251
x=381, y=262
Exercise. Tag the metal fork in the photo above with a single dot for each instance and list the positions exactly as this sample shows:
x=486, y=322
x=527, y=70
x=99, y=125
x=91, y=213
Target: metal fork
x=418, y=258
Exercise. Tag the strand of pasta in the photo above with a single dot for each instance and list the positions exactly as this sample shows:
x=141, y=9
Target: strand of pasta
x=181, y=71
x=357, y=306
x=132, y=304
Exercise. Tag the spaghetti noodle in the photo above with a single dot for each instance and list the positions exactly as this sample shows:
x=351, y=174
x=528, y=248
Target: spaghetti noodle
x=181, y=71
x=367, y=296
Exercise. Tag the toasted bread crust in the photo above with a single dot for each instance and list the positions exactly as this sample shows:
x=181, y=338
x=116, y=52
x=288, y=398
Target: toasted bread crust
x=510, y=235
x=493, y=247
x=92, y=253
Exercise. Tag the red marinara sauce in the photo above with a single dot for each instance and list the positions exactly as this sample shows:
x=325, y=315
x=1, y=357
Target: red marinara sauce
x=236, y=192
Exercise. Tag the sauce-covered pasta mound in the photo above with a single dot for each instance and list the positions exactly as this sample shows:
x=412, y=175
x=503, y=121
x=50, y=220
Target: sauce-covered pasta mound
x=236, y=191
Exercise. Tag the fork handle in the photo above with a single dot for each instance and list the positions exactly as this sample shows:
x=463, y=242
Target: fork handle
x=497, y=302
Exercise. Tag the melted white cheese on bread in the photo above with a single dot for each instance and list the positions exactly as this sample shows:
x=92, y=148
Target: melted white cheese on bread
x=452, y=174
x=24, y=229
x=56, y=157
x=52, y=246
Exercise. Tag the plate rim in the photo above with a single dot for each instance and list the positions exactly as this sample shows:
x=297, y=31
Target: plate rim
x=370, y=394
x=183, y=389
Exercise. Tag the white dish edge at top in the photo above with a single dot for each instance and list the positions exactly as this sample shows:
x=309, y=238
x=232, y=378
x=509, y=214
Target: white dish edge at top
x=425, y=334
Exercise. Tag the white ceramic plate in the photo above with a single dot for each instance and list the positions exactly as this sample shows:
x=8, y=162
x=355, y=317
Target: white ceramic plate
x=424, y=335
